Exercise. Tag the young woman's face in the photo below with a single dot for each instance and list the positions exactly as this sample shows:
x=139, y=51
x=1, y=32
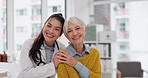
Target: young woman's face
x=75, y=33
x=52, y=30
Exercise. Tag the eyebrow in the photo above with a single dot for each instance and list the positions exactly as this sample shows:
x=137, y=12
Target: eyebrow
x=58, y=27
x=78, y=26
x=49, y=23
x=52, y=25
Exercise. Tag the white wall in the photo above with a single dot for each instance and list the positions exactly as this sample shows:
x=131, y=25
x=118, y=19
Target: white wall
x=138, y=29
x=79, y=8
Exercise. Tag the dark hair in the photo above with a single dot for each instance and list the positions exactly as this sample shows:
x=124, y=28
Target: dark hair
x=34, y=52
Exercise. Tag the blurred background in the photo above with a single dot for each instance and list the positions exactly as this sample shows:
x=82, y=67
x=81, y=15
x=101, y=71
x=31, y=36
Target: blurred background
x=123, y=20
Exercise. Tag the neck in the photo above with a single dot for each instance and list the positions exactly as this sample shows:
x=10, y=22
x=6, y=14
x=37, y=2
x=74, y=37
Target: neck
x=79, y=48
x=50, y=44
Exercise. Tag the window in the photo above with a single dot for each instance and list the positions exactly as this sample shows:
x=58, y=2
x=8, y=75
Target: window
x=28, y=19
x=56, y=6
x=36, y=12
x=19, y=46
x=21, y=29
x=36, y=28
x=121, y=8
x=123, y=46
x=21, y=12
x=122, y=28
x=3, y=30
x=4, y=15
x=26, y=13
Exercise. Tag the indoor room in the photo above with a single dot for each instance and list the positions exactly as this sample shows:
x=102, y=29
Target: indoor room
x=116, y=28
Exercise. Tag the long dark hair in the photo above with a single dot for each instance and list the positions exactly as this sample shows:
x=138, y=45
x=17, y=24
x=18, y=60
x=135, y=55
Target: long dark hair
x=34, y=52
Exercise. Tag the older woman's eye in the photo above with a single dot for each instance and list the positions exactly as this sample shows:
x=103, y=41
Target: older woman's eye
x=69, y=31
x=78, y=28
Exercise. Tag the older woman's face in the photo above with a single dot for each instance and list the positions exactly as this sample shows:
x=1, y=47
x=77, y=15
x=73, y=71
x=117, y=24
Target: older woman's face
x=75, y=33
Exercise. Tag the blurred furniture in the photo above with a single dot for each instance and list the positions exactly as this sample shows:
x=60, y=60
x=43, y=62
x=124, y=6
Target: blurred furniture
x=10, y=70
x=130, y=69
x=106, y=75
x=5, y=73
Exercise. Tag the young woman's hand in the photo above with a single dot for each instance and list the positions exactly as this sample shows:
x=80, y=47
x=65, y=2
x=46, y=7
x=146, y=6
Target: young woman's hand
x=66, y=58
x=56, y=60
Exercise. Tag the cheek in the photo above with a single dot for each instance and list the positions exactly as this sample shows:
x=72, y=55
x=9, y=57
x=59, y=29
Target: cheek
x=58, y=33
x=68, y=36
x=43, y=31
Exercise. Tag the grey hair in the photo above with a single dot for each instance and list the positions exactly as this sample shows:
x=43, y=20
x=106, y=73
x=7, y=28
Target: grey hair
x=74, y=20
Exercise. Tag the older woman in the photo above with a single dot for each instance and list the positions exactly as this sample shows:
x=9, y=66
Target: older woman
x=77, y=60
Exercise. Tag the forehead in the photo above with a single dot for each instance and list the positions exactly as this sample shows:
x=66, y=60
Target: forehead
x=54, y=22
x=73, y=25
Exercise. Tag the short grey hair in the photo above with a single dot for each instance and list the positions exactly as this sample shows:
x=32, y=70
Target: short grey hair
x=74, y=20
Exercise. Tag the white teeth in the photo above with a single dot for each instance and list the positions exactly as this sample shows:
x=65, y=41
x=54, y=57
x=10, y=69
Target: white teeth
x=76, y=38
x=49, y=35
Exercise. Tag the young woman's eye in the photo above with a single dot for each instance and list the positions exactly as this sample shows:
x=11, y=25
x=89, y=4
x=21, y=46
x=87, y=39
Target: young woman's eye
x=58, y=29
x=49, y=25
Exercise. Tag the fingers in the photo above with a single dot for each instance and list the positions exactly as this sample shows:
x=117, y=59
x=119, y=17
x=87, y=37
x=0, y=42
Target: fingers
x=55, y=60
x=58, y=57
x=61, y=56
x=64, y=57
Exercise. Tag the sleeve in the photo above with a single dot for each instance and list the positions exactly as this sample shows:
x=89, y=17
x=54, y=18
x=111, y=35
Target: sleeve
x=27, y=68
x=82, y=70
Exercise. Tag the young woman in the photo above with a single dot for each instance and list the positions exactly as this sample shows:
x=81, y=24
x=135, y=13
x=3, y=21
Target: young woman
x=36, y=54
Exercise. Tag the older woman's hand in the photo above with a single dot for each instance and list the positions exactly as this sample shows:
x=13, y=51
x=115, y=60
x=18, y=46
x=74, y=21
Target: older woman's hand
x=66, y=58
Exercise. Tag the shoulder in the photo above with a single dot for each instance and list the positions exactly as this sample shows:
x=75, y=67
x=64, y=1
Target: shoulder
x=26, y=47
x=94, y=51
x=28, y=42
x=60, y=44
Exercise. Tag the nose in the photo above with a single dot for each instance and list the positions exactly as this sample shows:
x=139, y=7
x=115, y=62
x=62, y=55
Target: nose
x=74, y=32
x=51, y=30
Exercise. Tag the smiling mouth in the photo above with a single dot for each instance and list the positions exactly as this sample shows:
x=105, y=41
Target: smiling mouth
x=49, y=35
x=76, y=38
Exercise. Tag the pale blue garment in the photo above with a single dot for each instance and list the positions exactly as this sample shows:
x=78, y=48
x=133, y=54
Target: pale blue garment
x=82, y=70
x=49, y=53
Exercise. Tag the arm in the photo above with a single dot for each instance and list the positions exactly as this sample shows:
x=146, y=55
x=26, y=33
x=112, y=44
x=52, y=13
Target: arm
x=93, y=69
x=28, y=68
x=96, y=72
x=90, y=72
x=82, y=70
x=71, y=61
